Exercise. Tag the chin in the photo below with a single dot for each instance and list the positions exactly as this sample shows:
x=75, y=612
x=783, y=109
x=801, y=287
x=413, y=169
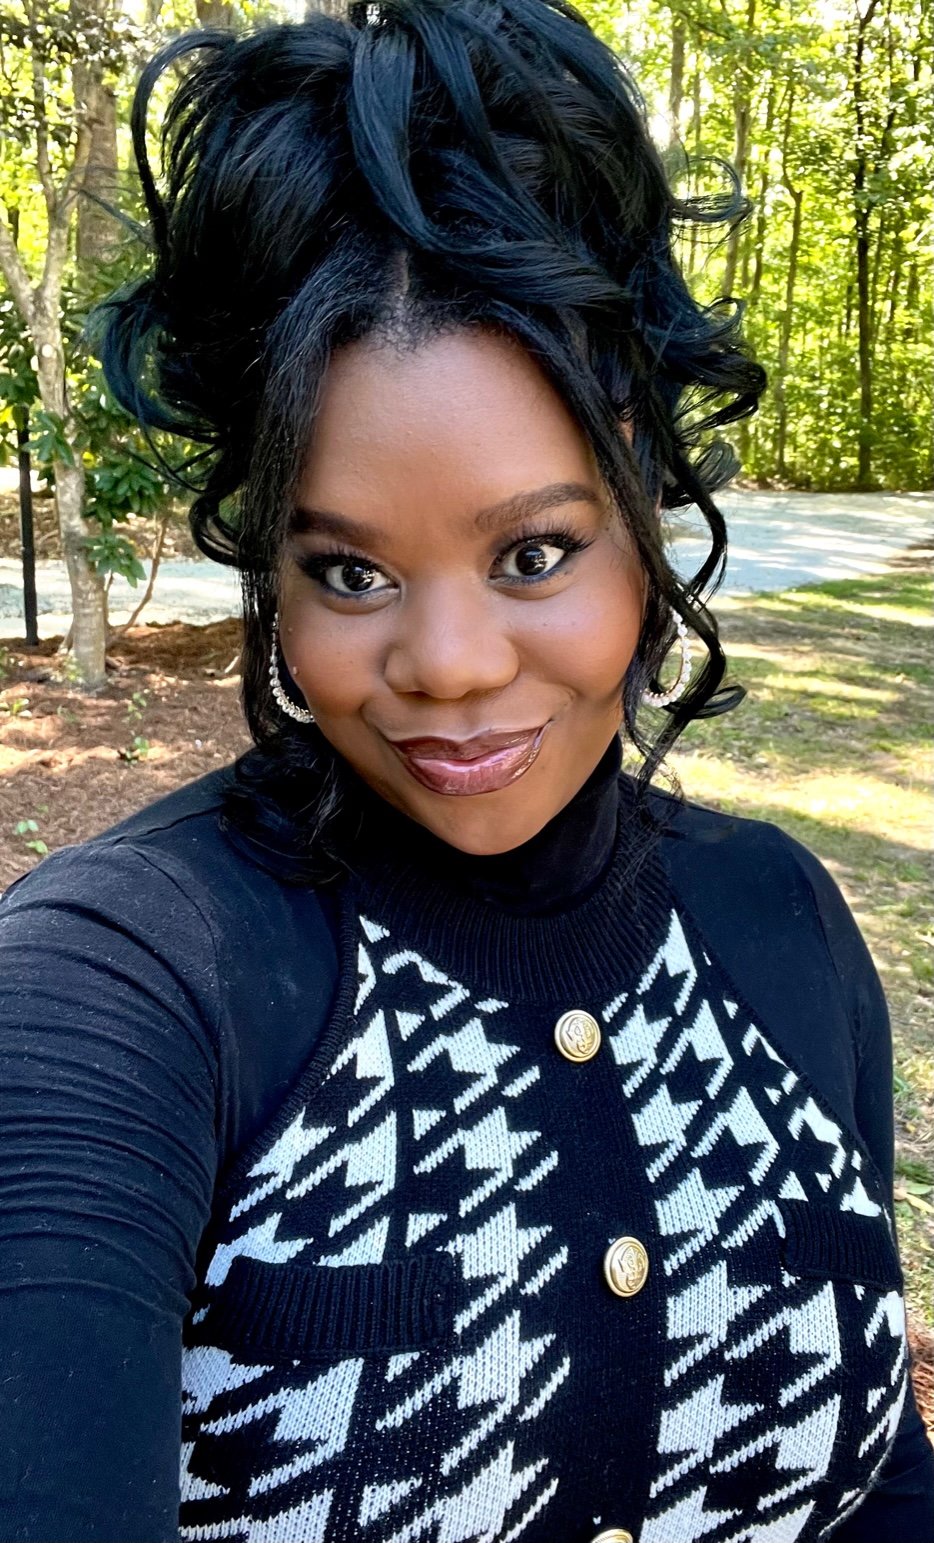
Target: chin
x=482, y=833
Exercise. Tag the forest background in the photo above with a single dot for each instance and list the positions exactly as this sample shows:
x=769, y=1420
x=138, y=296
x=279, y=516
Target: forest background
x=824, y=110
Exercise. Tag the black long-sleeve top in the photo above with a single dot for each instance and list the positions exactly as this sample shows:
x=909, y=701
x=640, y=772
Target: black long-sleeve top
x=164, y=986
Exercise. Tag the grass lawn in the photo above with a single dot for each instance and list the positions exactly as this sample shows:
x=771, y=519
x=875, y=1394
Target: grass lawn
x=835, y=743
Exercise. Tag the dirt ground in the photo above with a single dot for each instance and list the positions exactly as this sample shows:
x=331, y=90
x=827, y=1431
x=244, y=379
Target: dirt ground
x=73, y=763
x=67, y=757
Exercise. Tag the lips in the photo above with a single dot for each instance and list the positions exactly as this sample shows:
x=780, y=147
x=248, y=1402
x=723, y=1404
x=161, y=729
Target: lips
x=428, y=747
x=483, y=764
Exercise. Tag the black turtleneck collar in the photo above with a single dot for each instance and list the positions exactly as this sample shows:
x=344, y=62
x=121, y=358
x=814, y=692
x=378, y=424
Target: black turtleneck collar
x=558, y=867
x=561, y=918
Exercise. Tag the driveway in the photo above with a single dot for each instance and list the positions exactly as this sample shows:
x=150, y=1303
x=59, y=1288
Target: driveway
x=777, y=541
x=781, y=540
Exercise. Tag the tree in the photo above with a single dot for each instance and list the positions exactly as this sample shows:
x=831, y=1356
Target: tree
x=825, y=109
x=56, y=58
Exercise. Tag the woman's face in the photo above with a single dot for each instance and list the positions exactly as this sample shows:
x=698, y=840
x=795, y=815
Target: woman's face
x=459, y=602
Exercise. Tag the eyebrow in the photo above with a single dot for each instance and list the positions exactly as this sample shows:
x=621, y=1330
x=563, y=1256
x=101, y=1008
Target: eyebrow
x=307, y=520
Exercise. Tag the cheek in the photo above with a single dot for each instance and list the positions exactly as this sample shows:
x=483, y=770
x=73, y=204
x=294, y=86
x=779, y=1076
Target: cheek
x=334, y=658
x=589, y=635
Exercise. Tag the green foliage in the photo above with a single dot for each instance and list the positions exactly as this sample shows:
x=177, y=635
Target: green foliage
x=28, y=830
x=122, y=477
x=48, y=439
x=42, y=45
x=139, y=747
x=782, y=91
x=809, y=102
x=137, y=750
x=18, y=385
x=112, y=553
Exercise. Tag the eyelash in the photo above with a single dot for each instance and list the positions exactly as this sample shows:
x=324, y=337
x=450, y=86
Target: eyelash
x=316, y=564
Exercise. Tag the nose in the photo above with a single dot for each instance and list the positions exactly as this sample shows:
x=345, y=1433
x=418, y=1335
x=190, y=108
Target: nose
x=449, y=643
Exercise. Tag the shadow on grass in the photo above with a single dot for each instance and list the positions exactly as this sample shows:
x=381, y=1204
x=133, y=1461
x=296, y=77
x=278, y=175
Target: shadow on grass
x=839, y=677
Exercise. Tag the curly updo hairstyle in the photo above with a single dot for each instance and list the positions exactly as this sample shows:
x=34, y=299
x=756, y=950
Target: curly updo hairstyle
x=413, y=168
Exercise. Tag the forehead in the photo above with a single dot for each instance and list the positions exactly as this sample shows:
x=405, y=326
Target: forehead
x=465, y=414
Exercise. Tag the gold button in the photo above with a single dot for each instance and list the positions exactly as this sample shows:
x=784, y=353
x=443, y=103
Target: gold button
x=625, y=1267
x=614, y=1535
x=577, y=1035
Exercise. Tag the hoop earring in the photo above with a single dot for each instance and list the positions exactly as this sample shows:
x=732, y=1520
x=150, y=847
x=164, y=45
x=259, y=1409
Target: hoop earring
x=300, y=714
x=665, y=698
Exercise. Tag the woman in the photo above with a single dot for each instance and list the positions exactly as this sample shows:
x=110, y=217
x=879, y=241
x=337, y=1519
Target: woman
x=420, y=1129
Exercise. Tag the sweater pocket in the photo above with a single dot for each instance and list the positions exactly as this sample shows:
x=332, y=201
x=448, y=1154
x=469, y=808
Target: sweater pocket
x=280, y=1312
x=824, y=1243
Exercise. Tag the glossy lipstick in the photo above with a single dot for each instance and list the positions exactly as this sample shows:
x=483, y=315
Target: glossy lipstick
x=445, y=767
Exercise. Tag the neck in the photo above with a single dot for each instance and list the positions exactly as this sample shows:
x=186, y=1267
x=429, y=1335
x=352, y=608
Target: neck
x=562, y=917
x=557, y=867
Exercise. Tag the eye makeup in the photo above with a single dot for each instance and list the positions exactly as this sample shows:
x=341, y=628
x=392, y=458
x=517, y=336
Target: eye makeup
x=317, y=564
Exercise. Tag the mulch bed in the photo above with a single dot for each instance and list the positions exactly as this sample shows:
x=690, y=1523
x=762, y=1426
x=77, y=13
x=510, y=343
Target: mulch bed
x=60, y=754
x=921, y=1342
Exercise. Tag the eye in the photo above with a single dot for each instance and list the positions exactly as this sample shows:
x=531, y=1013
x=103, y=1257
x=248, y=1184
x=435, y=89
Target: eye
x=540, y=556
x=354, y=577
x=344, y=573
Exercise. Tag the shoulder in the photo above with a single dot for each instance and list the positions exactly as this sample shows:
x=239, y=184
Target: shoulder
x=767, y=902
x=717, y=857
x=134, y=864
x=127, y=913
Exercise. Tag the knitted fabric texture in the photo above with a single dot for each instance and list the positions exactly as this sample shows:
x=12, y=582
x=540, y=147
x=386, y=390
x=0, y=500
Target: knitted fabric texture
x=402, y=1330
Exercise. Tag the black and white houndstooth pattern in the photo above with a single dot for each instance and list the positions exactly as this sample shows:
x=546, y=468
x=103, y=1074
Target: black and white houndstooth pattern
x=776, y=1396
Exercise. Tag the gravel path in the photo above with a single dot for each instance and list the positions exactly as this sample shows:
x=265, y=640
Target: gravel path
x=777, y=541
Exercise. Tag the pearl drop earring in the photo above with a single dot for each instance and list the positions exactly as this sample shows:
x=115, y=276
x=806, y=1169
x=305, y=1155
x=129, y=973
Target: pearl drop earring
x=300, y=714
x=665, y=698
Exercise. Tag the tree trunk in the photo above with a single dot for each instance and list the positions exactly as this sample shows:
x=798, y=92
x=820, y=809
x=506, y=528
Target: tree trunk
x=98, y=231
x=874, y=284
x=784, y=348
x=676, y=81
x=898, y=256
x=89, y=637
x=861, y=229
x=89, y=609
x=759, y=253
x=40, y=307
x=785, y=330
x=695, y=150
x=216, y=13
x=864, y=330
x=742, y=110
x=26, y=527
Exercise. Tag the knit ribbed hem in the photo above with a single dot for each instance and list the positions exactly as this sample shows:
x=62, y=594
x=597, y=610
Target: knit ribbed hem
x=824, y=1243
x=306, y=1310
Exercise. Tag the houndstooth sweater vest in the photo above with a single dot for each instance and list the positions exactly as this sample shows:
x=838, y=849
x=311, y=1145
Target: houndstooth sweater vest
x=402, y=1329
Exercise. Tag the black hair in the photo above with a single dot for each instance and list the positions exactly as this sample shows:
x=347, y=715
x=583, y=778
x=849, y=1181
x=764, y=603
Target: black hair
x=412, y=168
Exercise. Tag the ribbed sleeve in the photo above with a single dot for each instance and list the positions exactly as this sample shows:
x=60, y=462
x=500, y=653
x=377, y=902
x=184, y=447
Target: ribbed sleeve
x=108, y=1093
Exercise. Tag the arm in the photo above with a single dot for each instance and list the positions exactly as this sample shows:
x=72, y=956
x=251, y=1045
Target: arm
x=900, y=1507
x=108, y=1093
